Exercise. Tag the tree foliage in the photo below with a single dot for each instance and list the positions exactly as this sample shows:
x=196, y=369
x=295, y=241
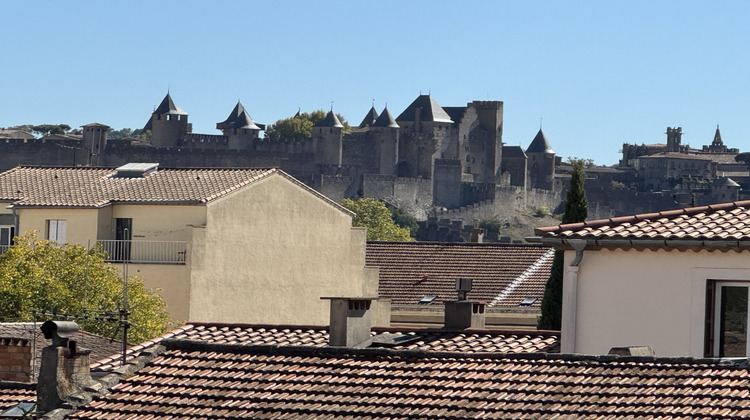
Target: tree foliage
x=373, y=215
x=42, y=276
x=404, y=220
x=299, y=126
x=576, y=210
x=43, y=129
x=743, y=157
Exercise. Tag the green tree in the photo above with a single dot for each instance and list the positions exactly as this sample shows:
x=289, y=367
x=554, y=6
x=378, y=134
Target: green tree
x=48, y=129
x=373, y=215
x=404, y=220
x=42, y=276
x=299, y=126
x=576, y=210
x=124, y=133
x=743, y=157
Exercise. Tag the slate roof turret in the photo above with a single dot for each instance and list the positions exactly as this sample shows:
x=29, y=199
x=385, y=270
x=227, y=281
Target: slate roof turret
x=385, y=120
x=429, y=110
x=370, y=118
x=540, y=144
x=167, y=106
x=331, y=120
x=238, y=118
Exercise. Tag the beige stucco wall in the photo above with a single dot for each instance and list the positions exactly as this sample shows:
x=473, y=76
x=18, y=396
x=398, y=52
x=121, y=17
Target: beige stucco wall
x=652, y=298
x=154, y=222
x=172, y=279
x=81, y=224
x=270, y=251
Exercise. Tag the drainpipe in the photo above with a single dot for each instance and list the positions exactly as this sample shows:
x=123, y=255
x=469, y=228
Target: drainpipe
x=15, y=220
x=570, y=295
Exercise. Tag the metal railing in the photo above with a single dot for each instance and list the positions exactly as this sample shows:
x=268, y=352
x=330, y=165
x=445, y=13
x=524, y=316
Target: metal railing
x=4, y=248
x=159, y=252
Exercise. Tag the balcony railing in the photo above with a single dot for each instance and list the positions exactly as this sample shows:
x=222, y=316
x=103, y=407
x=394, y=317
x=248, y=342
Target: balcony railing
x=4, y=248
x=158, y=252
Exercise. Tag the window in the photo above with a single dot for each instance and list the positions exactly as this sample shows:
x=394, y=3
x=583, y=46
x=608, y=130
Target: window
x=727, y=319
x=56, y=230
x=6, y=237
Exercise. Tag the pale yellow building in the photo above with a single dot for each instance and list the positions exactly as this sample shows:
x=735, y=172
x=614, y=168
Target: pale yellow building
x=224, y=245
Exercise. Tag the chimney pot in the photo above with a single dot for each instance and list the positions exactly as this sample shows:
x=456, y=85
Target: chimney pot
x=64, y=368
x=350, y=321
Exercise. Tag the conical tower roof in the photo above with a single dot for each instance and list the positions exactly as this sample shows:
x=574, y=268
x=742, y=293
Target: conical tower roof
x=238, y=118
x=385, y=120
x=370, y=118
x=331, y=120
x=540, y=144
x=429, y=110
x=167, y=106
x=717, y=138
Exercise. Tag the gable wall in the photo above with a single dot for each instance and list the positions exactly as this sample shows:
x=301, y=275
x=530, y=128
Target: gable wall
x=270, y=251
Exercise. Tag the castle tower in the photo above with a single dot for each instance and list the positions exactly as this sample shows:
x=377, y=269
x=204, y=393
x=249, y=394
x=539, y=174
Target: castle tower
x=95, y=140
x=168, y=124
x=490, y=117
x=426, y=135
x=674, y=139
x=328, y=138
x=541, y=163
x=240, y=129
x=385, y=134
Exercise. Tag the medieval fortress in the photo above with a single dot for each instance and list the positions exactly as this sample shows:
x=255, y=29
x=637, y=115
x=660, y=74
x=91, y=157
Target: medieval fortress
x=448, y=162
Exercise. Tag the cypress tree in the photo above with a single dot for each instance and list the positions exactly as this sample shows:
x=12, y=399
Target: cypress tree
x=576, y=210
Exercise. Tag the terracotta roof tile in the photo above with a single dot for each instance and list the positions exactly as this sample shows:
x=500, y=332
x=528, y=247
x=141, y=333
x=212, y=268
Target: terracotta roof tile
x=426, y=339
x=502, y=274
x=705, y=223
x=95, y=187
x=199, y=380
x=11, y=394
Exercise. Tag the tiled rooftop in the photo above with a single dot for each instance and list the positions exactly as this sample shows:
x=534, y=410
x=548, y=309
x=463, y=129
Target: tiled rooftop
x=96, y=187
x=503, y=275
x=100, y=347
x=718, y=222
x=11, y=394
x=469, y=341
x=198, y=380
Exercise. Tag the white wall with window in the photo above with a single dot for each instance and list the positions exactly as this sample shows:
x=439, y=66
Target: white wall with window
x=681, y=303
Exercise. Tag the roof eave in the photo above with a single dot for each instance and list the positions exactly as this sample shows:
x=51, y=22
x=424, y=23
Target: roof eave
x=565, y=243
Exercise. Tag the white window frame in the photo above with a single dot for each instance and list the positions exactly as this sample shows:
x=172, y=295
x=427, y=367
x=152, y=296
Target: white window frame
x=718, y=287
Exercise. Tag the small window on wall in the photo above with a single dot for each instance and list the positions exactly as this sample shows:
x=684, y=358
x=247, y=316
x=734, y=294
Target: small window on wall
x=727, y=319
x=56, y=230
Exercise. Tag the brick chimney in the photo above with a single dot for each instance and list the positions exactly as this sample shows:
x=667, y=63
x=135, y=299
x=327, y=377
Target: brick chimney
x=64, y=368
x=350, y=321
x=464, y=313
x=15, y=359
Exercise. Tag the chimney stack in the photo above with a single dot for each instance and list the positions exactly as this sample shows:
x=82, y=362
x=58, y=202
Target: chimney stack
x=15, y=359
x=64, y=369
x=463, y=313
x=350, y=321
x=477, y=235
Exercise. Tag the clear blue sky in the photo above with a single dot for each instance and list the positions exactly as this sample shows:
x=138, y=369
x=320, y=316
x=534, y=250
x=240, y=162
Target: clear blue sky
x=598, y=73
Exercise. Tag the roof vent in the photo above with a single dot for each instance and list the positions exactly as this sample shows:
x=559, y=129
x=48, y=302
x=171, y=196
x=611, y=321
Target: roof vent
x=632, y=351
x=463, y=287
x=136, y=170
x=528, y=301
